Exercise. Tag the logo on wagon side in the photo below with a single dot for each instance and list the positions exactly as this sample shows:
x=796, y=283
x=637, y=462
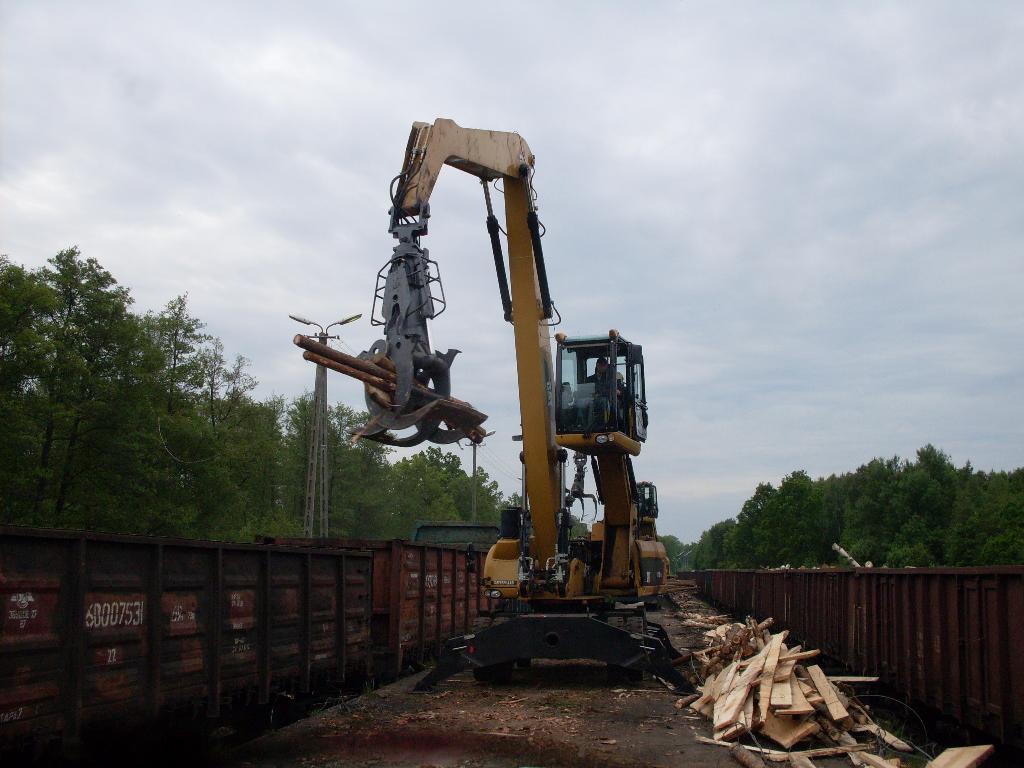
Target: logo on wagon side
x=23, y=610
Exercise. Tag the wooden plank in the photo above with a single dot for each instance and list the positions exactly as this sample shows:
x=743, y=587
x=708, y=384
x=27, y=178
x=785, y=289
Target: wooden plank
x=798, y=761
x=747, y=718
x=768, y=674
x=706, y=700
x=852, y=679
x=835, y=708
x=786, y=731
x=732, y=704
x=735, y=699
x=782, y=695
x=707, y=709
x=800, y=704
x=723, y=684
x=845, y=740
x=876, y=730
x=778, y=756
x=784, y=671
x=730, y=732
x=963, y=757
x=799, y=656
x=810, y=692
x=725, y=677
x=844, y=749
x=875, y=761
x=741, y=726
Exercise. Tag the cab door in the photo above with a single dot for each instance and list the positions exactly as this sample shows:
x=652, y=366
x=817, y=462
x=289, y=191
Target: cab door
x=637, y=390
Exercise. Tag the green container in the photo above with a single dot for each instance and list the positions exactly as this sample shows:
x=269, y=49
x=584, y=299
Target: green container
x=480, y=535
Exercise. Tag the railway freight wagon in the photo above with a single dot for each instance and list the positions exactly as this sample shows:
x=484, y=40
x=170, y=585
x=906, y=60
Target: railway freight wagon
x=942, y=636
x=423, y=594
x=98, y=628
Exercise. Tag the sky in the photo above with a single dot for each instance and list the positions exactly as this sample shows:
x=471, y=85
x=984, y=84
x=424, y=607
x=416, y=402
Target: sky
x=809, y=214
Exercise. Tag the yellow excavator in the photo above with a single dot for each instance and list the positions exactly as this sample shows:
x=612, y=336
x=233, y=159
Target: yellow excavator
x=555, y=595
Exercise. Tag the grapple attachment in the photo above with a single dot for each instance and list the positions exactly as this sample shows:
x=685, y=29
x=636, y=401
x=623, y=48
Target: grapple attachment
x=381, y=382
x=408, y=385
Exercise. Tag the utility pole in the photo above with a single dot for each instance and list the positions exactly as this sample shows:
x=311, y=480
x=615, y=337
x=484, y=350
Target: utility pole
x=475, y=481
x=317, y=473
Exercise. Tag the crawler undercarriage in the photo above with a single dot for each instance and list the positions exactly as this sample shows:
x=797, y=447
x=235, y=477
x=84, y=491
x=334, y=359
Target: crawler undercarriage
x=623, y=638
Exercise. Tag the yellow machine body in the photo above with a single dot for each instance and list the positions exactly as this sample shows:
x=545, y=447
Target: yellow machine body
x=632, y=563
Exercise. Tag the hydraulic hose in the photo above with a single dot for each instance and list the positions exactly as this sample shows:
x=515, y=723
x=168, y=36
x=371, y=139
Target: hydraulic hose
x=499, y=265
x=538, y=259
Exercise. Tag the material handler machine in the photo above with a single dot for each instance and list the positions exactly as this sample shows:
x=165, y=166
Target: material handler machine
x=556, y=596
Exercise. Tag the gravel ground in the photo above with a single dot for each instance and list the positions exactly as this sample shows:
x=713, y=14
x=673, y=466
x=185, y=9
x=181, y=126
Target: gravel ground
x=551, y=714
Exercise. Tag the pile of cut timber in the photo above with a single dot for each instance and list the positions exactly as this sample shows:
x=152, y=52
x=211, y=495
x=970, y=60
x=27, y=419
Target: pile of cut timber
x=754, y=683
x=691, y=619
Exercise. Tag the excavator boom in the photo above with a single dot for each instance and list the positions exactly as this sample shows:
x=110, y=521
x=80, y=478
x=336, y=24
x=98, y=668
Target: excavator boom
x=485, y=154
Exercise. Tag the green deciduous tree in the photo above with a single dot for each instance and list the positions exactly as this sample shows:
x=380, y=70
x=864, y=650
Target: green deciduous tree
x=146, y=424
x=674, y=550
x=889, y=512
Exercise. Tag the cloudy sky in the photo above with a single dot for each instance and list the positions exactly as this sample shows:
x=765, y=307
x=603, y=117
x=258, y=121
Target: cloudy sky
x=810, y=215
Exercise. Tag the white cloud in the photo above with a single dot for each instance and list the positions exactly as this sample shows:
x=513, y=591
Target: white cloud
x=810, y=217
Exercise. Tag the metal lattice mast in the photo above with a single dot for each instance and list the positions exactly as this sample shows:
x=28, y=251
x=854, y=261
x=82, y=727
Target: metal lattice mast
x=324, y=466
x=317, y=466
x=316, y=463
x=311, y=456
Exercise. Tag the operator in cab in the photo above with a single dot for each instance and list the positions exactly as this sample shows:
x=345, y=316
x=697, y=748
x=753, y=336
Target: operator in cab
x=598, y=412
x=600, y=375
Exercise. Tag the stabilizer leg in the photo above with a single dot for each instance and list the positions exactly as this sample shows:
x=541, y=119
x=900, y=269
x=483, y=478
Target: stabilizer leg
x=546, y=636
x=453, y=660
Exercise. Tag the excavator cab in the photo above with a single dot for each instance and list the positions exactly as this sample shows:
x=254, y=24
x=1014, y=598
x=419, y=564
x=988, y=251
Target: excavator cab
x=648, y=500
x=601, y=401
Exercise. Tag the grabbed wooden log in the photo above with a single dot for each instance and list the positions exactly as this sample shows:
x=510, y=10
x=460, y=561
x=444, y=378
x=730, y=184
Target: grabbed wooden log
x=380, y=383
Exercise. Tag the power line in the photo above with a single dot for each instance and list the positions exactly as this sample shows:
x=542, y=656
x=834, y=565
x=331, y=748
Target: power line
x=504, y=467
x=497, y=464
x=504, y=472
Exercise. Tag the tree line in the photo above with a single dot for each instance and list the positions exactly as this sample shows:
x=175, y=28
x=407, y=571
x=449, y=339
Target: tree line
x=889, y=512
x=143, y=423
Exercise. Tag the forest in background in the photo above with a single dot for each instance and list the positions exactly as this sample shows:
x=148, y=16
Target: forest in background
x=143, y=423
x=890, y=512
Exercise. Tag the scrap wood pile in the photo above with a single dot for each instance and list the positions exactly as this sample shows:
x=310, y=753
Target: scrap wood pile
x=679, y=592
x=754, y=683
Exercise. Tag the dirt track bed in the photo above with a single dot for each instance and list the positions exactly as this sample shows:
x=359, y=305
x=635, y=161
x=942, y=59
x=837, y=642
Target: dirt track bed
x=552, y=714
